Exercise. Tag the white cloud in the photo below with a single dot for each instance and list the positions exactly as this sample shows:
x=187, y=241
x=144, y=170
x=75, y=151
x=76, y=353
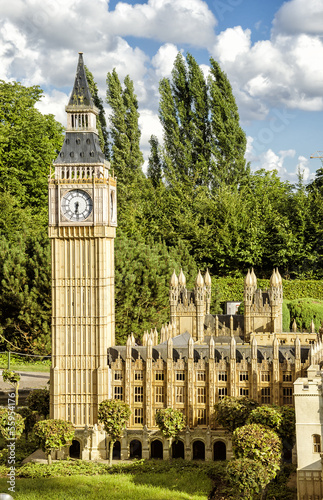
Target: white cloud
x=164, y=59
x=175, y=21
x=54, y=103
x=300, y=16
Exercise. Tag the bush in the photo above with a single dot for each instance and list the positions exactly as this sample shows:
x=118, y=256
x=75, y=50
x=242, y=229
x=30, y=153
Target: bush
x=38, y=400
x=266, y=415
x=233, y=412
x=246, y=477
x=256, y=442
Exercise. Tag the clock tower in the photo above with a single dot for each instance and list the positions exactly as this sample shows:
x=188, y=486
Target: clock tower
x=82, y=228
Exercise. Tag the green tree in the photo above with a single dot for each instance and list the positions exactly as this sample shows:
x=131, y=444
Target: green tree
x=257, y=442
x=29, y=142
x=53, y=434
x=114, y=415
x=155, y=168
x=170, y=422
x=38, y=401
x=13, y=378
x=228, y=140
x=30, y=418
x=232, y=413
x=142, y=274
x=11, y=424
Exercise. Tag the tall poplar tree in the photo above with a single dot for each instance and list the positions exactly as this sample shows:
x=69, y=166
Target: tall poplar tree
x=228, y=140
x=204, y=144
x=126, y=157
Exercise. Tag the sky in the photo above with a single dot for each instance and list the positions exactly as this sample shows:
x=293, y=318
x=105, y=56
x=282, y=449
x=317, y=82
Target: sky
x=272, y=52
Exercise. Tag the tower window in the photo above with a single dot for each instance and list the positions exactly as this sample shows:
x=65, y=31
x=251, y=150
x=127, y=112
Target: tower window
x=180, y=376
x=118, y=393
x=201, y=395
x=179, y=394
x=201, y=416
x=139, y=375
x=287, y=377
x=244, y=392
x=316, y=443
x=139, y=394
x=265, y=395
x=139, y=416
x=118, y=375
x=200, y=376
x=223, y=376
x=244, y=376
x=223, y=391
x=287, y=395
x=159, y=394
x=265, y=377
x=159, y=375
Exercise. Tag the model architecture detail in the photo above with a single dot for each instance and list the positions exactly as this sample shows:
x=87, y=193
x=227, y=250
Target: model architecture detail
x=190, y=364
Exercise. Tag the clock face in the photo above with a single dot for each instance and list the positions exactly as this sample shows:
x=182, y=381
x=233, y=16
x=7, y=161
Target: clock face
x=77, y=205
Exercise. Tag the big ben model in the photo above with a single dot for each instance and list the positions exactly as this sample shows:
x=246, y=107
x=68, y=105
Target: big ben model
x=82, y=227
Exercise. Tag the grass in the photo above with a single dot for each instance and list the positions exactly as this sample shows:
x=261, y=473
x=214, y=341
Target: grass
x=187, y=485
x=24, y=363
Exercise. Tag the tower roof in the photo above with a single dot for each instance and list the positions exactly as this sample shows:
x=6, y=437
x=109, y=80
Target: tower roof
x=81, y=95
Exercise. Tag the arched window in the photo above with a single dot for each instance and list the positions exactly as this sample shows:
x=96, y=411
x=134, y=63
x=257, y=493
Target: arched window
x=316, y=443
x=116, y=454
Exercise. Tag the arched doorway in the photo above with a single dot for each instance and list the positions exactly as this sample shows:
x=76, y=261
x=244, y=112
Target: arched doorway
x=178, y=449
x=219, y=451
x=116, y=454
x=156, y=449
x=135, y=449
x=75, y=449
x=198, y=450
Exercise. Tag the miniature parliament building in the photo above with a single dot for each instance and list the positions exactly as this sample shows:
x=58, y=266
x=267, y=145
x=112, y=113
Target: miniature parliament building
x=194, y=361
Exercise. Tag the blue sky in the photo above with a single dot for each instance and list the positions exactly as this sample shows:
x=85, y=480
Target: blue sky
x=270, y=50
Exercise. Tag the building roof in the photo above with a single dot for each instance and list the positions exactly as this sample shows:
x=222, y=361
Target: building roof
x=82, y=147
x=81, y=95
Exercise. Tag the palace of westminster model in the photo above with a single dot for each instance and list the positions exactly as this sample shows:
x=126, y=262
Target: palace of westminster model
x=192, y=363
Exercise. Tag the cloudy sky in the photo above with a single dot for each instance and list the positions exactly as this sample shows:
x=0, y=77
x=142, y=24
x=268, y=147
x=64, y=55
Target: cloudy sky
x=272, y=52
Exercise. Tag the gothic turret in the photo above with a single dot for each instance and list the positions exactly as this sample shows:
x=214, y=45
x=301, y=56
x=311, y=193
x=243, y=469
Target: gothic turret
x=208, y=288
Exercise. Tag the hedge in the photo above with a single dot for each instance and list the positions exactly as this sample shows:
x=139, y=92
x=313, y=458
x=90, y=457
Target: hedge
x=231, y=289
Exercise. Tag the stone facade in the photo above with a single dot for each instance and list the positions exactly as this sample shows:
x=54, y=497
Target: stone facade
x=309, y=424
x=192, y=363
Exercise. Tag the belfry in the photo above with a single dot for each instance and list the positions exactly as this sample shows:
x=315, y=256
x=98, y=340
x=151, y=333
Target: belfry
x=82, y=228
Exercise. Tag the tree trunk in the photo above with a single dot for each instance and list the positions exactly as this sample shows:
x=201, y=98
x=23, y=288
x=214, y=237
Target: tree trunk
x=170, y=448
x=111, y=452
x=17, y=394
x=49, y=458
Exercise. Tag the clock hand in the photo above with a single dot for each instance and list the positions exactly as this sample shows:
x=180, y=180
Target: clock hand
x=76, y=205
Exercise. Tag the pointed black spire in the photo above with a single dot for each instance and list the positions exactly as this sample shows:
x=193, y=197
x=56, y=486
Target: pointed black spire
x=81, y=95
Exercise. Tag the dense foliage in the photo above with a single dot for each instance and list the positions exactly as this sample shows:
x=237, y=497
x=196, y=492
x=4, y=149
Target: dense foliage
x=13, y=378
x=232, y=412
x=259, y=443
x=38, y=401
x=53, y=434
x=11, y=424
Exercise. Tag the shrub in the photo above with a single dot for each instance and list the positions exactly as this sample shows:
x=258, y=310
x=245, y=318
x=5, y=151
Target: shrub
x=11, y=424
x=266, y=415
x=256, y=442
x=233, y=412
x=246, y=477
x=38, y=400
x=304, y=311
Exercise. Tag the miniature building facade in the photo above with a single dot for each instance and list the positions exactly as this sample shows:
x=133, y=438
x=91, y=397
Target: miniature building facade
x=195, y=360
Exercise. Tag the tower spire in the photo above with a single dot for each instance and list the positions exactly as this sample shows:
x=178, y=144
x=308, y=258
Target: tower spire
x=81, y=94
